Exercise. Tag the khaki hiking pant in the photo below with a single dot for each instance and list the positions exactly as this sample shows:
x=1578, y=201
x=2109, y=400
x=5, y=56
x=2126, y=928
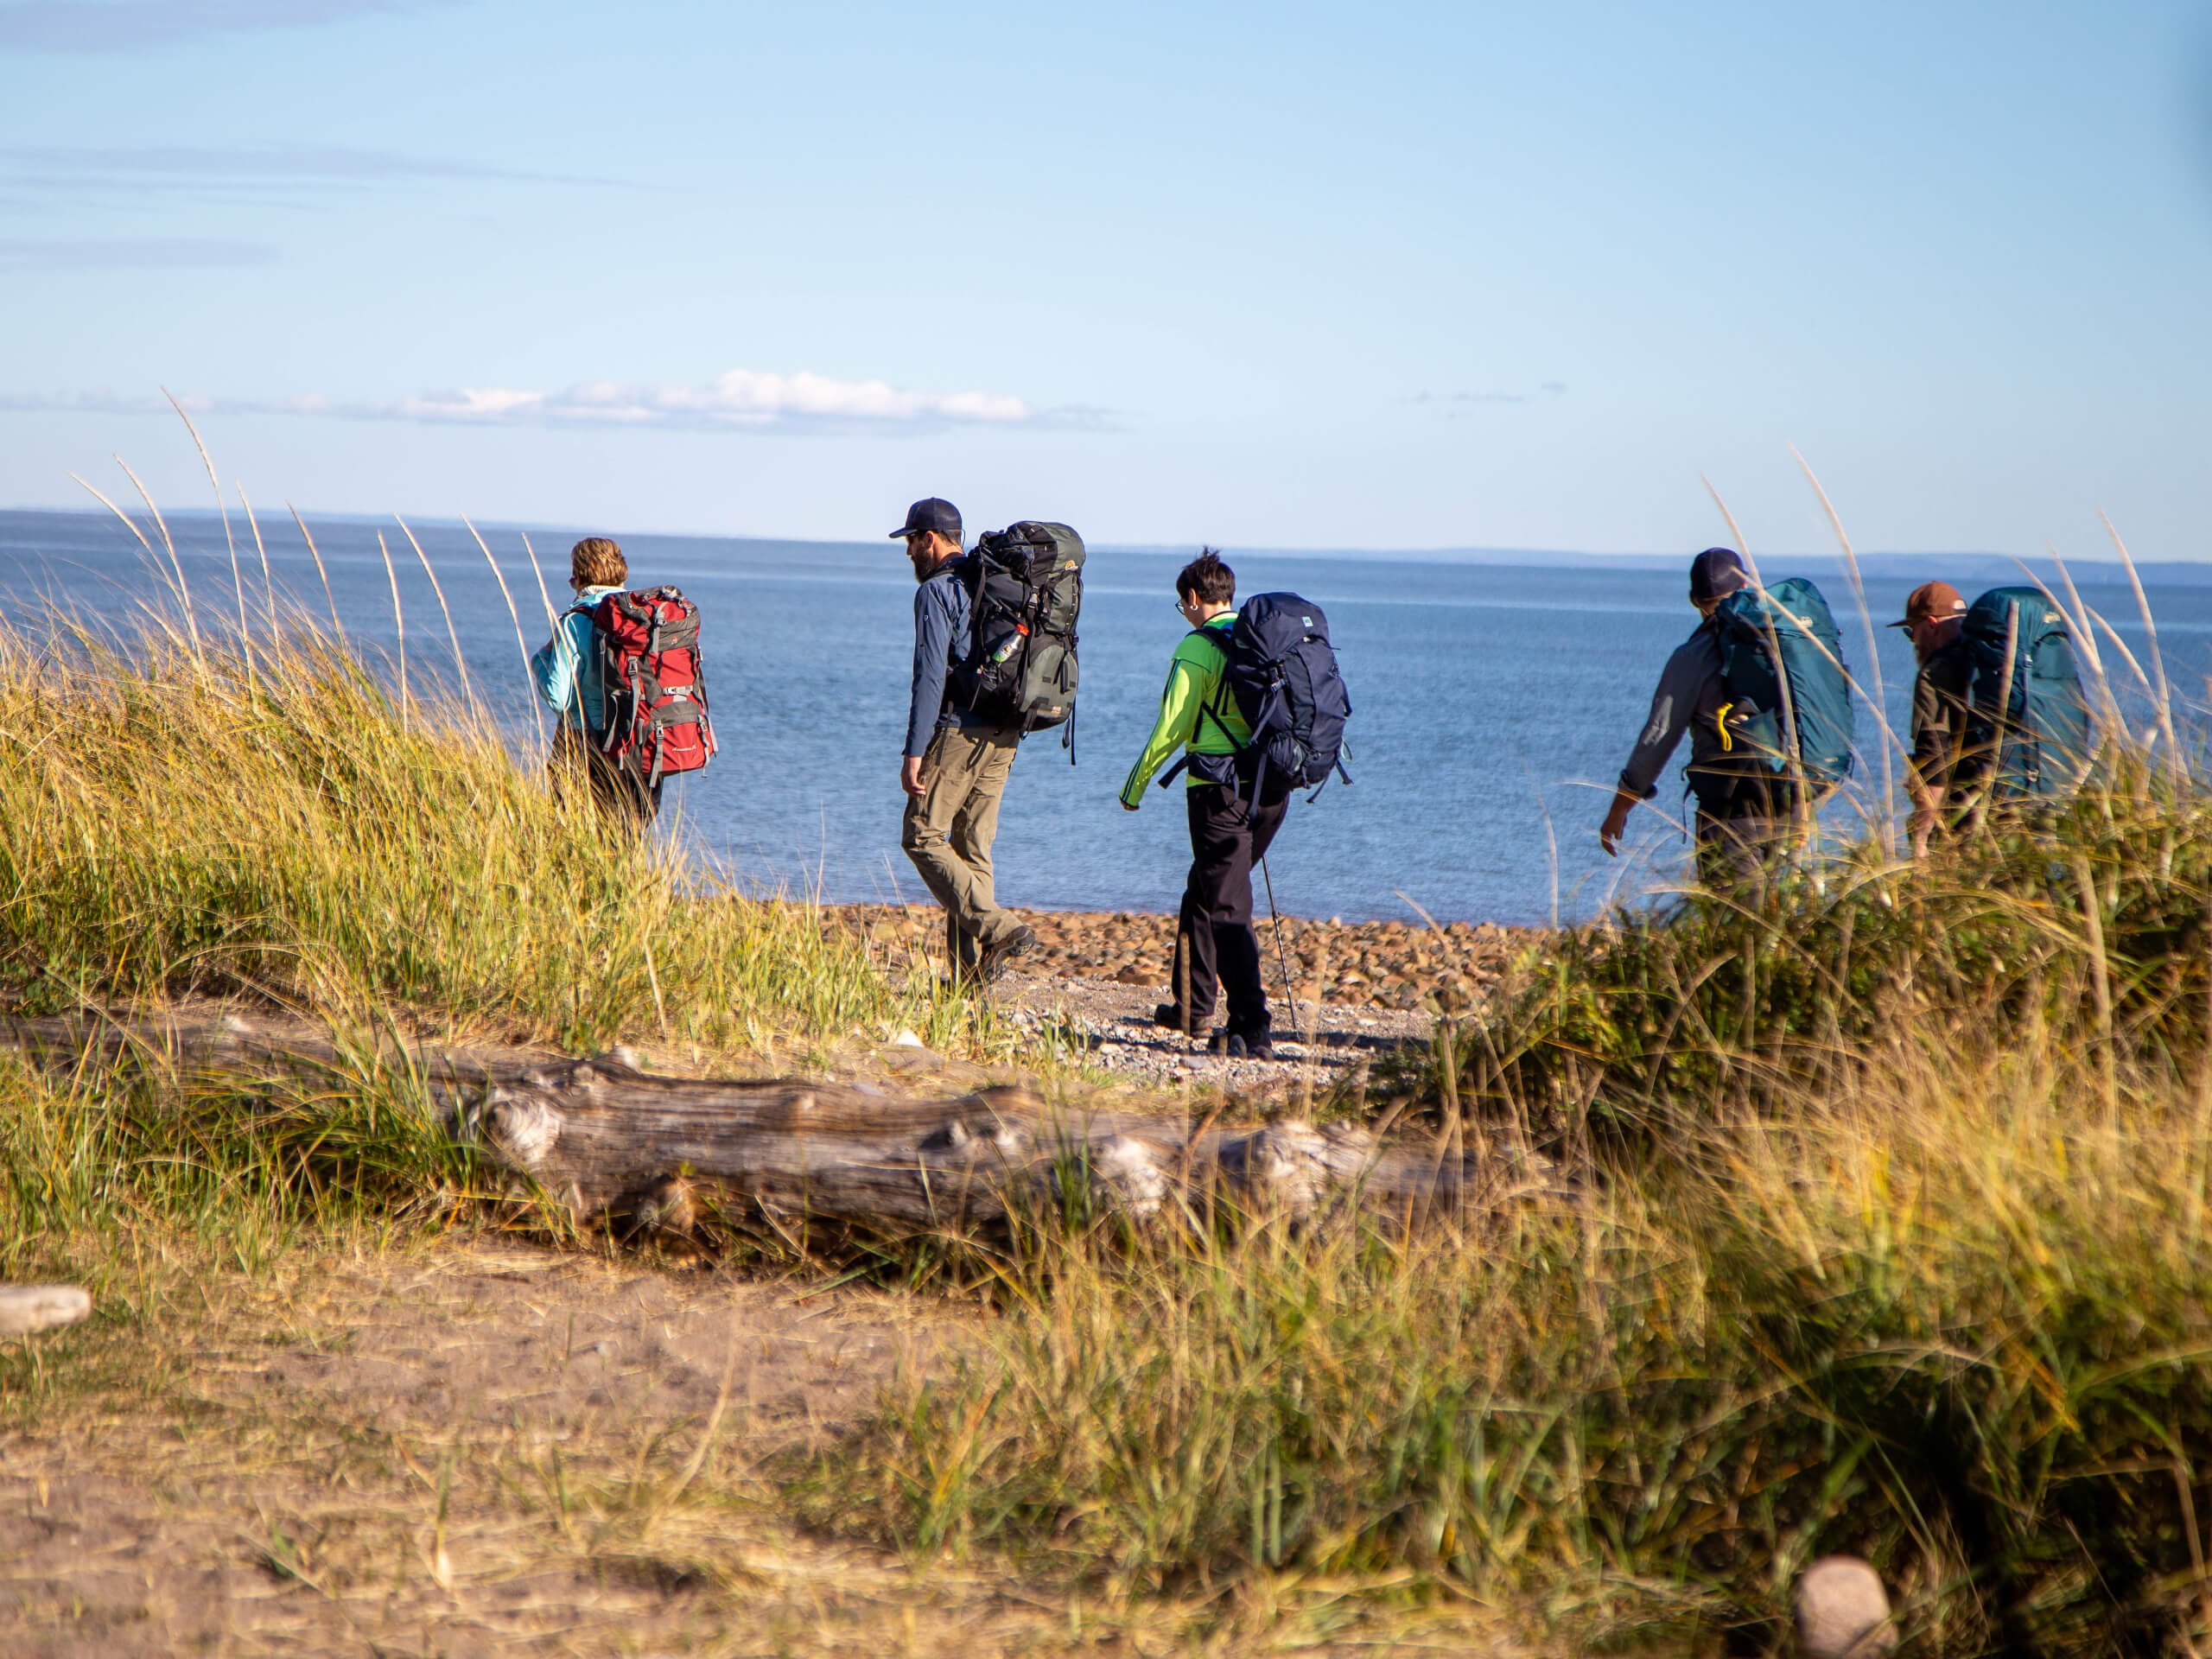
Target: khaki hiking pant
x=948, y=833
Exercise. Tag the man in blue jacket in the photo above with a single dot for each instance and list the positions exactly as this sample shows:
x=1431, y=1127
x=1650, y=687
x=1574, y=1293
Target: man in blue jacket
x=956, y=762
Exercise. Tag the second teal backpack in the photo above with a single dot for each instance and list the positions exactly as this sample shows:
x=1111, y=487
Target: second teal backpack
x=2037, y=726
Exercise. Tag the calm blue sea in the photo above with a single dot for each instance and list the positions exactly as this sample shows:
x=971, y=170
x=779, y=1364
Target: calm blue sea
x=1492, y=703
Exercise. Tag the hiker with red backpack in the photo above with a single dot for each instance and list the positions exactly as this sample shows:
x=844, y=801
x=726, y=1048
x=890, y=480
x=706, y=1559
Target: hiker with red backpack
x=622, y=673
x=1256, y=703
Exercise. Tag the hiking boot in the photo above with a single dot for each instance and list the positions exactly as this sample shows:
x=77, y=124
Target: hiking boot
x=1255, y=1045
x=1019, y=943
x=1168, y=1017
x=1227, y=1044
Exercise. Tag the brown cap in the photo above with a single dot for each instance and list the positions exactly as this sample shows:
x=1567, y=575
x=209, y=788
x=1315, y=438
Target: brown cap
x=1932, y=602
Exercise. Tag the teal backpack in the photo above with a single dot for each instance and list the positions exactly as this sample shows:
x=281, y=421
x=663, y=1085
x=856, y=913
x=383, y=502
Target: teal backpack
x=1792, y=619
x=2037, y=726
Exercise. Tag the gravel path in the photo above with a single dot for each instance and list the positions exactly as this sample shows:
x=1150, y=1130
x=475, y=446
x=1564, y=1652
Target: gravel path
x=1097, y=976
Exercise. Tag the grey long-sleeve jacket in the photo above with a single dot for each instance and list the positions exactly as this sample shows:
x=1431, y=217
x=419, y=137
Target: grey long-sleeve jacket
x=1690, y=694
x=941, y=626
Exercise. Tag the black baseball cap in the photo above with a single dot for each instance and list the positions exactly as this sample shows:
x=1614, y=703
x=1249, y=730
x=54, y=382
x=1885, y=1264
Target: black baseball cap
x=1718, y=572
x=936, y=513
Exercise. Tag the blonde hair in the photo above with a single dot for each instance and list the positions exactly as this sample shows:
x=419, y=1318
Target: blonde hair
x=595, y=562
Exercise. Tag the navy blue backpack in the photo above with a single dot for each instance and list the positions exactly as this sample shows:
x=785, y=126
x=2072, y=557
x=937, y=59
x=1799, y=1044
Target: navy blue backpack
x=1282, y=672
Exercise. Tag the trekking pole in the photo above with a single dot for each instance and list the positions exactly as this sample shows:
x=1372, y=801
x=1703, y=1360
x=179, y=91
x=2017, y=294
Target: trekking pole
x=1281, y=960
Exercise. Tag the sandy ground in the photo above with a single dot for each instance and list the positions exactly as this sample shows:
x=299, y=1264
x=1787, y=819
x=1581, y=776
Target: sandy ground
x=471, y=1450
x=485, y=1447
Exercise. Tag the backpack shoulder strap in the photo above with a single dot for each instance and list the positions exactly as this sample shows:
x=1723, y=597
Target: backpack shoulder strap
x=1214, y=637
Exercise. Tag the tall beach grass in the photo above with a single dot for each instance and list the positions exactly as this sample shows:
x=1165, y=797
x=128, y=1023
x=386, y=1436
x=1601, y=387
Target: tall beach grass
x=1889, y=1185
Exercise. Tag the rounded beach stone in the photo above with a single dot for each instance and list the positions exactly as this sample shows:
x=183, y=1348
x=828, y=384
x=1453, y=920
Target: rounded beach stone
x=1843, y=1612
x=26, y=1308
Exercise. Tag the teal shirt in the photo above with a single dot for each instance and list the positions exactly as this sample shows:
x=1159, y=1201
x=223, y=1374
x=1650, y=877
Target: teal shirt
x=1197, y=713
x=565, y=667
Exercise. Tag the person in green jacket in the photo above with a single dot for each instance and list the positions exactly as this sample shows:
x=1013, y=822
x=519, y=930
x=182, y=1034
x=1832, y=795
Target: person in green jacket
x=1214, y=938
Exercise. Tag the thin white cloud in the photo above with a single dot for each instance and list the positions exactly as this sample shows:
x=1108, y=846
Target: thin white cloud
x=1456, y=404
x=741, y=400
x=741, y=397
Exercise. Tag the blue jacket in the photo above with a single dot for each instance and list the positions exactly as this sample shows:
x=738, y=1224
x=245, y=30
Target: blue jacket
x=565, y=667
x=941, y=632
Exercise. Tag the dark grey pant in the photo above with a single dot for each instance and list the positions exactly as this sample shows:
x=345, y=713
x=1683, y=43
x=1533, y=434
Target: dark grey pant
x=624, y=798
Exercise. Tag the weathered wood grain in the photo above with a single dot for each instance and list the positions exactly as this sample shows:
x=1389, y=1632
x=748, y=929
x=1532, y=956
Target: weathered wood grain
x=649, y=1153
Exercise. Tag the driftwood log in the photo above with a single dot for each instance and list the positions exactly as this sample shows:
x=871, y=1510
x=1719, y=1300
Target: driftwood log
x=649, y=1154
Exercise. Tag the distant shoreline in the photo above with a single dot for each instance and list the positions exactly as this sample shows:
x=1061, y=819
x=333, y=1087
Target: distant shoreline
x=1982, y=566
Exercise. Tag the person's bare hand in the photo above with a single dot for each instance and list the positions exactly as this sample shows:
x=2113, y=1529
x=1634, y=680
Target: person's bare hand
x=1921, y=825
x=1615, y=825
x=910, y=777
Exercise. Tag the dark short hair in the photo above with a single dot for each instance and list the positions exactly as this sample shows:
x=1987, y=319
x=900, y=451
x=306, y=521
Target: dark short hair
x=1208, y=578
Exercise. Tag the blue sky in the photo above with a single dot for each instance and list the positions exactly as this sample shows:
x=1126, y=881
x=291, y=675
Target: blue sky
x=1289, y=275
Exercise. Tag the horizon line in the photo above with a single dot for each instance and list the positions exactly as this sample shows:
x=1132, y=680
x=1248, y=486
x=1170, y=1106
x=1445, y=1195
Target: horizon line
x=1463, y=553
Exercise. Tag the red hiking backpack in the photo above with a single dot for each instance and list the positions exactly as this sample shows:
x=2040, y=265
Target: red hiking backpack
x=652, y=690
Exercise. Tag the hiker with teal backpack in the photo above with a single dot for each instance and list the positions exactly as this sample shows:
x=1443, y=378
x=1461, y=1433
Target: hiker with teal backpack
x=1761, y=689
x=2027, y=719
x=1943, y=773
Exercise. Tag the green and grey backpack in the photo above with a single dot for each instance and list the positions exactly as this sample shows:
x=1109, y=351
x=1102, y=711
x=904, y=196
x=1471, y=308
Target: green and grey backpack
x=1025, y=591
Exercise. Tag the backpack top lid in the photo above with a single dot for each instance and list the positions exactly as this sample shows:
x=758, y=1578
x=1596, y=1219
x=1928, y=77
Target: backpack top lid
x=1989, y=620
x=1275, y=623
x=2038, y=724
x=1791, y=618
x=1044, y=546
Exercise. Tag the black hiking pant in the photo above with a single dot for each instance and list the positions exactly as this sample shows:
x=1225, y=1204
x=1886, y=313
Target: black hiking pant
x=1739, y=831
x=1214, y=937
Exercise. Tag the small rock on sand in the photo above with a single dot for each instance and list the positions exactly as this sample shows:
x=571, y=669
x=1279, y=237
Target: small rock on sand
x=27, y=1308
x=1842, y=1611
